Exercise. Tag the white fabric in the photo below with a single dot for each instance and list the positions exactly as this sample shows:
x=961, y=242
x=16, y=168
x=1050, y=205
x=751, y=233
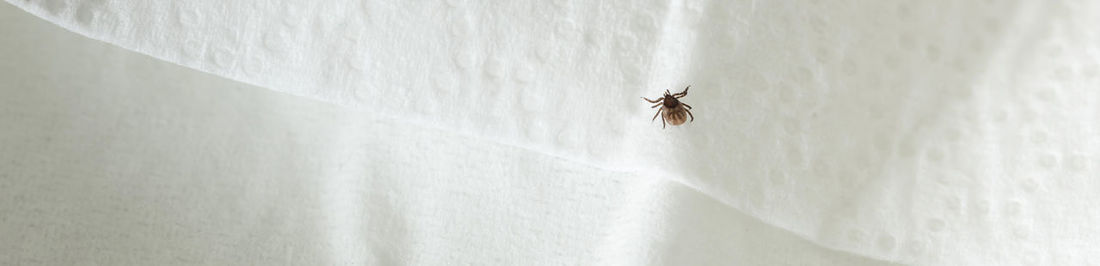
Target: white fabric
x=919, y=132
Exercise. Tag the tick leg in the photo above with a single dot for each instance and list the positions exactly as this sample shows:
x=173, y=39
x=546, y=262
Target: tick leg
x=655, y=105
x=682, y=93
x=691, y=115
x=653, y=101
x=655, y=116
x=662, y=122
x=688, y=106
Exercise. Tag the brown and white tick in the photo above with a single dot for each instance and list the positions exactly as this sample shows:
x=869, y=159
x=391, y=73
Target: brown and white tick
x=675, y=112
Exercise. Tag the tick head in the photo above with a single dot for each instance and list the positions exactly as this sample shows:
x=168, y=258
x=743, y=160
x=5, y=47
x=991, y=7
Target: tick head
x=671, y=102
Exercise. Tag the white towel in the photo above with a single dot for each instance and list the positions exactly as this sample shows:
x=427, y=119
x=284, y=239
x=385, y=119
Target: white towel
x=932, y=132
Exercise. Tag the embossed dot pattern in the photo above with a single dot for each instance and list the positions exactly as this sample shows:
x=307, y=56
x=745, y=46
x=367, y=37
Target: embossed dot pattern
x=917, y=119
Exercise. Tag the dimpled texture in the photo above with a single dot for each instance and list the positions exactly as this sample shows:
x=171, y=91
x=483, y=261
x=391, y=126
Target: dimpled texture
x=111, y=157
x=916, y=132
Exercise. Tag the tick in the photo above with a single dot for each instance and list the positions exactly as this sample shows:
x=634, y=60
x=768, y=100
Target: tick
x=675, y=112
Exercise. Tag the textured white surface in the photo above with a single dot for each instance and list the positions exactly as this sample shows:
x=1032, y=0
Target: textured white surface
x=921, y=132
x=114, y=158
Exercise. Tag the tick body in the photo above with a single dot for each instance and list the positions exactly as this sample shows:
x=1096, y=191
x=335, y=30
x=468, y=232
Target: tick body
x=672, y=110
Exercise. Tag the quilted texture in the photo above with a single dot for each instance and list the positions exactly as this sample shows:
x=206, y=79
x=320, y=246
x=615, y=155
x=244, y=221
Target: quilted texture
x=918, y=132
